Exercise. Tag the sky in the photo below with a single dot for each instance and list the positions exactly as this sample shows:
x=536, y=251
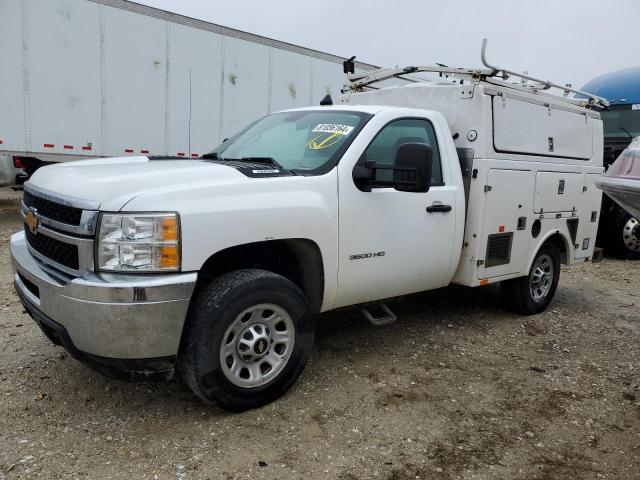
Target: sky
x=565, y=41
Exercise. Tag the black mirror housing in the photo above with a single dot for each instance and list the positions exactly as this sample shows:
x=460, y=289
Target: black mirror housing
x=412, y=168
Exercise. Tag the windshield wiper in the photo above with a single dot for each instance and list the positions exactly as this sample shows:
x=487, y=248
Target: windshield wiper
x=266, y=160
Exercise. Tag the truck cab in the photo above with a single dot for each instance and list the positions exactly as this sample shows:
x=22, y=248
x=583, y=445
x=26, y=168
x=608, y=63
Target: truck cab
x=218, y=266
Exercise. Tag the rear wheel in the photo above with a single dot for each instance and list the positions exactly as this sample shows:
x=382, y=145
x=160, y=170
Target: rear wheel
x=247, y=339
x=532, y=294
x=625, y=236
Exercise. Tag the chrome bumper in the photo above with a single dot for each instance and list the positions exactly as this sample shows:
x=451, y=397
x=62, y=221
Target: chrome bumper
x=109, y=316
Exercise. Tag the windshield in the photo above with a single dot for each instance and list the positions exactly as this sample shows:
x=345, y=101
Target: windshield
x=301, y=141
x=616, y=119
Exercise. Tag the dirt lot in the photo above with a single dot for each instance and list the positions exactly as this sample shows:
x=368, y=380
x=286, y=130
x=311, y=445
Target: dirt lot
x=457, y=389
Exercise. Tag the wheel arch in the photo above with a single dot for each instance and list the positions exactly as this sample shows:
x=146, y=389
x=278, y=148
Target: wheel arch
x=559, y=241
x=297, y=259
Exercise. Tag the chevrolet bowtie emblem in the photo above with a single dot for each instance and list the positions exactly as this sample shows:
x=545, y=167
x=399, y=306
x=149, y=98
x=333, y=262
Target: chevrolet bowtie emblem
x=32, y=221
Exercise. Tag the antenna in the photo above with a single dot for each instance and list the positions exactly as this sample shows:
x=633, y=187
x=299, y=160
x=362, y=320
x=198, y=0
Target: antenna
x=326, y=101
x=189, y=150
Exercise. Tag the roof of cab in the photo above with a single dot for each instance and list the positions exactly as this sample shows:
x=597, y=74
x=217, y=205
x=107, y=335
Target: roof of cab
x=371, y=109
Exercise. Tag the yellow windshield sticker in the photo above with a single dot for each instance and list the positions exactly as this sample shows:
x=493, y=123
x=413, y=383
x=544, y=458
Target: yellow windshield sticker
x=330, y=134
x=325, y=140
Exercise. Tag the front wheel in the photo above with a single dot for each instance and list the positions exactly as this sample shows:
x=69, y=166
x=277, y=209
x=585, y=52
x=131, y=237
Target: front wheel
x=532, y=294
x=248, y=337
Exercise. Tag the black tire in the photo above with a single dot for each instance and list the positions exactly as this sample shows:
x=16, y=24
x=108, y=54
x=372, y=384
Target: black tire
x=624, y=237
x=517, y=294
x=214, y=309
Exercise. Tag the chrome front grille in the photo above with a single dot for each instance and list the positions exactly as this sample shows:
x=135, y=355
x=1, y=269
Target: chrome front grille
x=62, y=237
x=52, y=210
x=61, y=253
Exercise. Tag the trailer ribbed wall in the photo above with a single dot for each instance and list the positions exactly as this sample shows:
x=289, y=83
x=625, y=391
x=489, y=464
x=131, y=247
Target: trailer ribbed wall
x=111, y=78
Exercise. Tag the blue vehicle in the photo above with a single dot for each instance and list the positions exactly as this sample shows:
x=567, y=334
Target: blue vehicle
x=619, y=232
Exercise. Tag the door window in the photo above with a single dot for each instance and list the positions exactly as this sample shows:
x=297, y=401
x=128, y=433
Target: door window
x=384, y=146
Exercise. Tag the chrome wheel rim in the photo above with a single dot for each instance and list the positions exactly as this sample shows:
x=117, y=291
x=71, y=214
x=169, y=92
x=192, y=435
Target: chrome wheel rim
x=631, y=235
x=541, y=277
x=257, y=345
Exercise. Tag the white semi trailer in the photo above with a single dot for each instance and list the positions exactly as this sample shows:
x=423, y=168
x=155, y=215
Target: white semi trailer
x=97, y=78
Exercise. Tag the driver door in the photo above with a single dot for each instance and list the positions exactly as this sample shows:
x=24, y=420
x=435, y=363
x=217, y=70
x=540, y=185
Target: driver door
x=392, y=243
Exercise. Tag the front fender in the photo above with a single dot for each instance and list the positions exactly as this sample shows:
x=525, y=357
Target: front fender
x=217, y=218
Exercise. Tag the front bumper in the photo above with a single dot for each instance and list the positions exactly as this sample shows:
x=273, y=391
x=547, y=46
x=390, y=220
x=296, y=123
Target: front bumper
x=131, y=323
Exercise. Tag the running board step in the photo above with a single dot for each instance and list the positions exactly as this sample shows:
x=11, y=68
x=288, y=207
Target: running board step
x=386, y=318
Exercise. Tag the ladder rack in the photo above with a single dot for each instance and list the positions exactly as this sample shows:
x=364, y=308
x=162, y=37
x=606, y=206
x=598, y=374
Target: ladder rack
x=365, y=81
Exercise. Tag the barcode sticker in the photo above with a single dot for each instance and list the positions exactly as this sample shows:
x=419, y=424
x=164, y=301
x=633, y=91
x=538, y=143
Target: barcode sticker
x=333, y=128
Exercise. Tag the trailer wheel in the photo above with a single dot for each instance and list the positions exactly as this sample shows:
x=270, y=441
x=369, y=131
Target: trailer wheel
x=248, y=337
x=625, y=236
x=532, y=294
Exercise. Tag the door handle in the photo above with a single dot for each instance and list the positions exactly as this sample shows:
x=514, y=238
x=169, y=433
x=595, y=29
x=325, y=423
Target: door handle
x=439, y=208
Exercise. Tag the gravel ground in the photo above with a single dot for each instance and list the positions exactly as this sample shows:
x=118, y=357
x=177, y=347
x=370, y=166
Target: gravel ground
x=457, y=389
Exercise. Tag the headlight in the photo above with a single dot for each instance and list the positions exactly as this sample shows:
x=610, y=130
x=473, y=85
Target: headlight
x=138, y=242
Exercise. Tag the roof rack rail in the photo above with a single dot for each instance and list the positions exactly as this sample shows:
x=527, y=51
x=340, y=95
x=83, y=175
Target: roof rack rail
x=360, y=81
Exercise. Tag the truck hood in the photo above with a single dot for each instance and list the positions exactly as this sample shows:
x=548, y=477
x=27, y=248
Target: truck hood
x=108, y=184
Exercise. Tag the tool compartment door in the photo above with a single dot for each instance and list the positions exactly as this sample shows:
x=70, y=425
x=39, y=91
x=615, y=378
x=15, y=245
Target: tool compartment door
x=507, y=223
x=530, y=129
x=588, y=218
x=558, y=192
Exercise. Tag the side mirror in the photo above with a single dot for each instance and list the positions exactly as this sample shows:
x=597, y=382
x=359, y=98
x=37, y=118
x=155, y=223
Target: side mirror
x=412, y=168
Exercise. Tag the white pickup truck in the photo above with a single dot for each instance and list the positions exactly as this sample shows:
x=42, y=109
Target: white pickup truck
x=219, y=265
